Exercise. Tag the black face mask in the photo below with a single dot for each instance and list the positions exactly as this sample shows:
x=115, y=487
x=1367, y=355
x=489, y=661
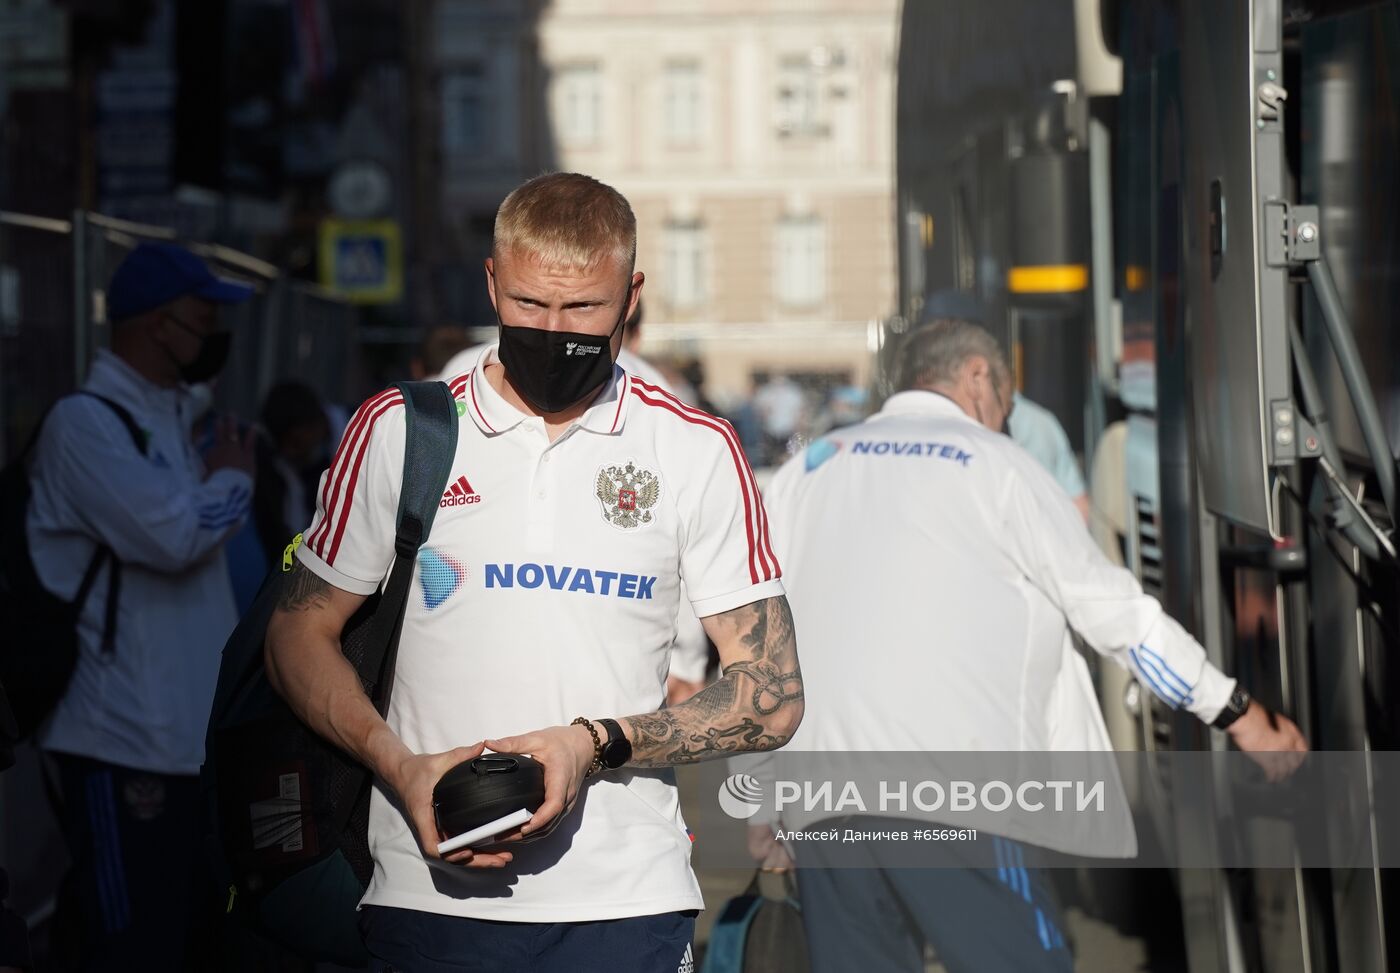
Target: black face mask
x=554, y=370
x=212, y=356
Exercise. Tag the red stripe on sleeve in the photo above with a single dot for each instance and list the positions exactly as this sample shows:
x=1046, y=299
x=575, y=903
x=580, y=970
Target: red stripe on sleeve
x=765, y=550
x=767, y=560
x=336, y=474
x=764, y=532
x=342, y=516
x=698, y=418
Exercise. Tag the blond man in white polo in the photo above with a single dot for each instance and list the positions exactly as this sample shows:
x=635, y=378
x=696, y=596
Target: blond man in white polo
x=549, y=592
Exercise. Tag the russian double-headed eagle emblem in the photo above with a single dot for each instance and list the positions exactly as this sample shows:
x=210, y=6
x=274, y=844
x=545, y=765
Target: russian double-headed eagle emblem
x=627, y=494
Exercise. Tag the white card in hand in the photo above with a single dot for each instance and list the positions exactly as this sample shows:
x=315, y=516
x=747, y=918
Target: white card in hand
x=477, y=835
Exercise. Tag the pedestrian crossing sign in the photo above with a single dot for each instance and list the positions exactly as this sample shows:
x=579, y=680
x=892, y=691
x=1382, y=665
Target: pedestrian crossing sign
x=362, y=260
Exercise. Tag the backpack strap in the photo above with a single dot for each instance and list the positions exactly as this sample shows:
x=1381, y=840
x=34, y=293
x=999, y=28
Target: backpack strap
x=431, y=414
x=141, y=441
x=139, y=436
x=99, y=557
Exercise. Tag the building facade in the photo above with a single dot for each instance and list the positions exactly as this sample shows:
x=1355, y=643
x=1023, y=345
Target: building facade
x=754, y=140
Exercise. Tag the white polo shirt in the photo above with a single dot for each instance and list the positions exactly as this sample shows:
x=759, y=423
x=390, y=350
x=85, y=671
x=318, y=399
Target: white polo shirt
x=690, y=655
x=548, y=590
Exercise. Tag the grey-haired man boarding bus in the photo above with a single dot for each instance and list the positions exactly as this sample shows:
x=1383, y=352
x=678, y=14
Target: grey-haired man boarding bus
x=970, y=531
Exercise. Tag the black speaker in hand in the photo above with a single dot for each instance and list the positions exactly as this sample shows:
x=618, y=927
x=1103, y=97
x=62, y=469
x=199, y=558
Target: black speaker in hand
x=479, y=791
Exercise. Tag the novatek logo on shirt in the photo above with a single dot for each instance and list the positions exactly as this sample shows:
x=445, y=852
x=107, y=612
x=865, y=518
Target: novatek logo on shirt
x=460, y=493
x=938, y=450
x=589, y=581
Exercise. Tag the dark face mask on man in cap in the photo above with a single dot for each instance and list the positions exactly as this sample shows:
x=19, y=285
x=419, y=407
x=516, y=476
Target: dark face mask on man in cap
x=209, y=360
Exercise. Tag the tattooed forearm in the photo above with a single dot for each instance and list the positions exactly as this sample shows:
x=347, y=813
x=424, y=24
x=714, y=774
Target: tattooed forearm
x=771, y=632
x=773, y=688
x=715, y=700
x=303, y=590
x=673, y=741
x=755, y=705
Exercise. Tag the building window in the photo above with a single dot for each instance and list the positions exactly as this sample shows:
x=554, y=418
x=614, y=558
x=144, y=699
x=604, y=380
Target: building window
x=580, y=104
x=465, y=104
x=684, y=263
x=683, y=103
x=801, y=261
x=800, y=112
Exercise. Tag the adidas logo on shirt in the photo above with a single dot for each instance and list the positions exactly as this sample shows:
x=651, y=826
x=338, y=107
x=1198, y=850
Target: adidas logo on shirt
x=687, y=961
x=460, y=493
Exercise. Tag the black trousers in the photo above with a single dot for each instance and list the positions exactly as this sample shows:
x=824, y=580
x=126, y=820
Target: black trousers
x=406, y=941
x=136, y=898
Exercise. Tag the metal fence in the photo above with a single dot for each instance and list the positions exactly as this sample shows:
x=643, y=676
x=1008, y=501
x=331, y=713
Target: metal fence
x=37, y=346
x=53, y=275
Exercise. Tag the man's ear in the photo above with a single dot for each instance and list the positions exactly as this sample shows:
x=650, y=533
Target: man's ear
x=490, y=265
x=973, y=371
x=155, y=324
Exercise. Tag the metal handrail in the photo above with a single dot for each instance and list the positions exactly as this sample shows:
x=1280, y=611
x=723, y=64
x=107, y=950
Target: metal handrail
x=31, y=222
x=1358, y=386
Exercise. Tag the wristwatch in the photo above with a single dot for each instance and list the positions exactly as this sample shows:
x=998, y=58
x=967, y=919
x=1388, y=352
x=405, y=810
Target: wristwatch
x=608, y=755
x=1235, y=707
x=618, y=750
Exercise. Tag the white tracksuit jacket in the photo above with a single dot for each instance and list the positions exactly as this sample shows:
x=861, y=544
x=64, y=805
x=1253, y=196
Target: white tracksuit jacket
x=147, y=707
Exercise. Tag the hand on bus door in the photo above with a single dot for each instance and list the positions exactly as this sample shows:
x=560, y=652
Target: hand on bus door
x=1272, y=740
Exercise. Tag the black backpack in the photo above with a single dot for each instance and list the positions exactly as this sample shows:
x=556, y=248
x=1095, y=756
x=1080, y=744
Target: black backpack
x=36, y=666
x=288, y=812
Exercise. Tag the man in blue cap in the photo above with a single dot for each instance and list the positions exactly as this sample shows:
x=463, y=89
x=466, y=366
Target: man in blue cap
x=124, y=510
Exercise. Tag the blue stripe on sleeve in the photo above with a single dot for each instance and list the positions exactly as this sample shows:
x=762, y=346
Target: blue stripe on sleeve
x=228, y=512
x=237, y=494
x=237, y=499
x=1154, y=679
x=1170, y=673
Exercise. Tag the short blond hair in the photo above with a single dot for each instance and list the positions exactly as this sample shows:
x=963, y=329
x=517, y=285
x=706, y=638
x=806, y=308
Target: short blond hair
x=567, y=219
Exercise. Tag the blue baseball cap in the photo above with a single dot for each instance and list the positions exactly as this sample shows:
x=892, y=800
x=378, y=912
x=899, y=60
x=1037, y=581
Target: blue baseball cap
x=158, y=273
